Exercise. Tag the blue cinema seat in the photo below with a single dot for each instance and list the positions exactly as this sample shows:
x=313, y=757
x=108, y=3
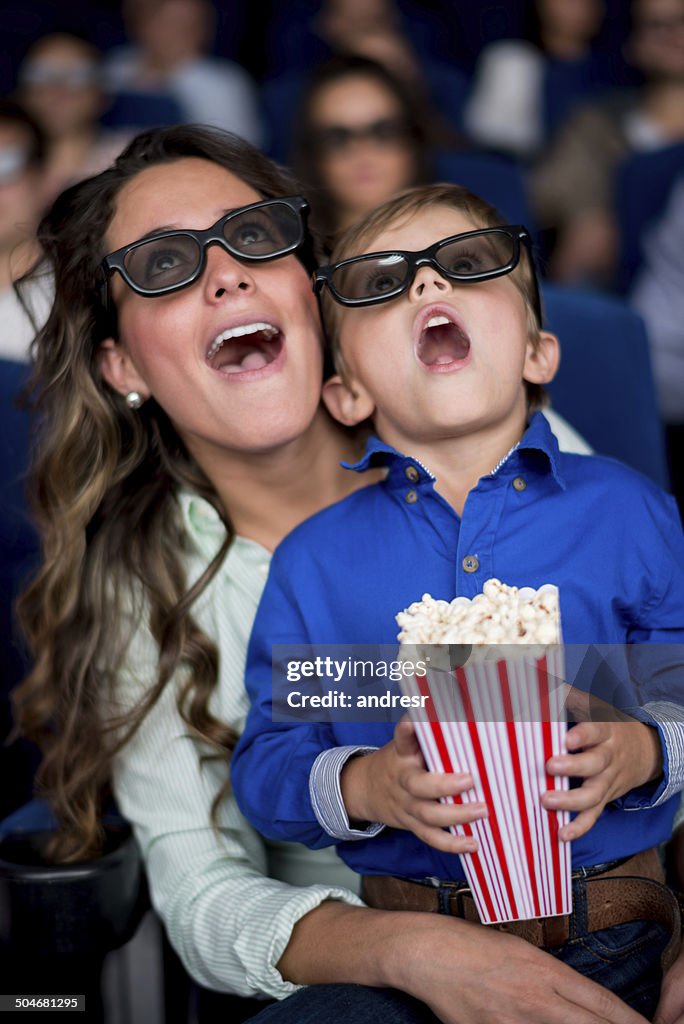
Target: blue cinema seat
x=18, y=557
x=604, y=386
x=497, y=179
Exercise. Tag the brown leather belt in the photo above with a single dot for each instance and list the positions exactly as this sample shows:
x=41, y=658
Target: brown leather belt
x=631, y=891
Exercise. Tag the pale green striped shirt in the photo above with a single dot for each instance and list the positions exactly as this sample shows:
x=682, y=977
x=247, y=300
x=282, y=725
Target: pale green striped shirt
x=228, y=920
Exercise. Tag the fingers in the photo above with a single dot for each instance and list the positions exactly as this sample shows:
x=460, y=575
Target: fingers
x=581, y=766
x=587, y=734
x=594, y=1003
x=444, y=815
x=434, y=785
x=405, y=738
x=445, y=842
x=580, y=825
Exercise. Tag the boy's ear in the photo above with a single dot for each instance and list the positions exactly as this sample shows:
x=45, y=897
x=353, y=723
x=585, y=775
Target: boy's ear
x=542, y=359
x=117, y=369
x=348, y=403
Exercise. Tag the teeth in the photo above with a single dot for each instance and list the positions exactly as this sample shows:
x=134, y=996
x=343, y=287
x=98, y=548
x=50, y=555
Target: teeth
x=437, y=321
x=239, y=332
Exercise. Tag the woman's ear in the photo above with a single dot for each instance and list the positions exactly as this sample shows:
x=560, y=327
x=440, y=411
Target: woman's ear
x=542, y=359
x=117, y=369
x=347, y=402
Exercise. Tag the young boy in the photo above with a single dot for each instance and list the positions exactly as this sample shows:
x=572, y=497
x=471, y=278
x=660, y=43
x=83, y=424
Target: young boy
x=436, y=335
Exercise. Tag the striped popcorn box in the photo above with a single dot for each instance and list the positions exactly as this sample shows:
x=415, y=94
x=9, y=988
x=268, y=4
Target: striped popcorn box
x=499, y=717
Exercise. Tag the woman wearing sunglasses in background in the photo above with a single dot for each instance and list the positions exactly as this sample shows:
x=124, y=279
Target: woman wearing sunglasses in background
x=181, y=436
x=358, y=139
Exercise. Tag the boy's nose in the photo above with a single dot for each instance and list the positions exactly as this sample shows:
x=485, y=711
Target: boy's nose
x=224, y=274
x=428, y=279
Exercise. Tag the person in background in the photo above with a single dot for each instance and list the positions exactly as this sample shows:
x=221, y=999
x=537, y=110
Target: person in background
x=508, y=108
x=168, y=55
x=376, y=30
x=572, y=186
x=60, y=84
x=658, y=294
x=22, y=173
x=358, y=139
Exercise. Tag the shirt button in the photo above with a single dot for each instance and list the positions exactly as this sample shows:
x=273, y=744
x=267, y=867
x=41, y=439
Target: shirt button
x=411, y=497
x=520, y=483
x=412, y=474
x=471, y=563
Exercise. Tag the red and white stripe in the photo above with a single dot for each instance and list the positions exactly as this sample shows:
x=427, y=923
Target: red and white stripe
x=501, y=721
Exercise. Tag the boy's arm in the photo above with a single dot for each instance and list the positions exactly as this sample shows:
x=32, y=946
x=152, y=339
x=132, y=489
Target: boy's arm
x=638, y=761
x=393, y=785
x=272, y=761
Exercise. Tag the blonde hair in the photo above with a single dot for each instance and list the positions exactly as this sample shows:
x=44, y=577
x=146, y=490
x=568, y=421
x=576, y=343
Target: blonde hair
x=404, y=206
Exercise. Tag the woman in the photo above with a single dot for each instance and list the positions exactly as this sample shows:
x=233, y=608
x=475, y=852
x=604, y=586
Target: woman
x=526, y=88
x=358, y=139
x=178, y=385
x=60, y=84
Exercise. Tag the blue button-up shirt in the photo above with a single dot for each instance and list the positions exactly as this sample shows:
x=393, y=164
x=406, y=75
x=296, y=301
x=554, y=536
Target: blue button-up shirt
x=607, y=537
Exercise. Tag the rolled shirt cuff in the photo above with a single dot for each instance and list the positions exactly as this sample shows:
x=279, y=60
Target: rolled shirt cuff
x=326, y=794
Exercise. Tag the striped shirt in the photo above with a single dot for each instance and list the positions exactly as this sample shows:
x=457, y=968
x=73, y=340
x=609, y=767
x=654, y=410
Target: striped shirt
x=229, y=901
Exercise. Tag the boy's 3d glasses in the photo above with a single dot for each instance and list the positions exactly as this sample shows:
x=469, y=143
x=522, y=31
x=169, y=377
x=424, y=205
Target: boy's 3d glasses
x=472, y=256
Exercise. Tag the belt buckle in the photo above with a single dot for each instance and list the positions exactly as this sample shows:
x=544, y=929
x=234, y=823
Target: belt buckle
x=451, y=902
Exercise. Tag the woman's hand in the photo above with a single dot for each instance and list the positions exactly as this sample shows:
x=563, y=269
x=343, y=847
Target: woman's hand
x=612, y=756
x=471, y=974
x=670, y=1008
x=393, y=786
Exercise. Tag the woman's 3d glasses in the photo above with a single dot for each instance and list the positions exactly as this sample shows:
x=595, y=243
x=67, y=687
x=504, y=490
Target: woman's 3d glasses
x=166, y=261
x=473, y=256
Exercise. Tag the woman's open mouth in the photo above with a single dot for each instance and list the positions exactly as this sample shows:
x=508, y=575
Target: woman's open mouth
x=245, y=347
x=443, y=345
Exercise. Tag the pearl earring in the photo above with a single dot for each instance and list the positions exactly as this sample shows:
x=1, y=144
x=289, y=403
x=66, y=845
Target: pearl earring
x=134, y=400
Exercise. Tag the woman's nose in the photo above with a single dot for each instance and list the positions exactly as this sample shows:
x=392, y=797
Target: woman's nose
x=224, y=274
x=428, y=279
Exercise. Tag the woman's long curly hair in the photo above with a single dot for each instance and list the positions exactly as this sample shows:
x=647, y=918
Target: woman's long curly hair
x=104, y=484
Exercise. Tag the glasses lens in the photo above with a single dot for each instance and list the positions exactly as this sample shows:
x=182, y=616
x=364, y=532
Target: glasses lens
x=263, y=232
x=163, y=262
x=389, y=132
x=480, y=254
x=370, y=278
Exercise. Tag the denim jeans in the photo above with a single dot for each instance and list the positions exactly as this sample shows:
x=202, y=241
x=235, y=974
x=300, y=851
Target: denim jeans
x=346, y=1004
x=624, y=959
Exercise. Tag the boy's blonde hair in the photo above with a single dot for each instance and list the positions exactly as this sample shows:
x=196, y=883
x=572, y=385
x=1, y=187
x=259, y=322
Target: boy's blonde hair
x=403, y=206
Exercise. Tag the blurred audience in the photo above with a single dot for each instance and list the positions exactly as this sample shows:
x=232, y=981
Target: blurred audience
x=22, y=172
x=573, y=186
x=659, y=296
x=60, y=84
x=525, y=88
x=168, y=55
x=358, y=140
x=376, y=30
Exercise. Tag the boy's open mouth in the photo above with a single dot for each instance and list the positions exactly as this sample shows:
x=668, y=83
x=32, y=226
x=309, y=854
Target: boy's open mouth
x=442, y=342
x=245, y=347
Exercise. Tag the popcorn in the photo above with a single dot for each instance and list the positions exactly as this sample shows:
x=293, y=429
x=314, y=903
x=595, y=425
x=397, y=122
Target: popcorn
x=499, y=615
x=493, y=676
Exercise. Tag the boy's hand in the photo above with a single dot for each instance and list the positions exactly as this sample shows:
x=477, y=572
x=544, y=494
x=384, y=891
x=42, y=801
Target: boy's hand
x=612, y=756
x=393, y=786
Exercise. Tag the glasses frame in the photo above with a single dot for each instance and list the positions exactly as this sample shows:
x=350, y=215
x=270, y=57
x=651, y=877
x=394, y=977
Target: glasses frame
x=428, y=258
x=325, y=141
x=115, y=261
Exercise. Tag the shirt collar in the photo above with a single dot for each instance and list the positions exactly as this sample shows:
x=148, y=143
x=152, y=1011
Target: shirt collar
x=538, y=438
x=204, y=526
